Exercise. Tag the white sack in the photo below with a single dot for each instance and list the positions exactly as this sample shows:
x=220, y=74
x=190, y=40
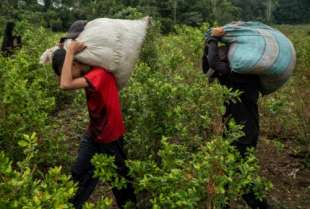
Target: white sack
x=113, y=44
x=47, y=56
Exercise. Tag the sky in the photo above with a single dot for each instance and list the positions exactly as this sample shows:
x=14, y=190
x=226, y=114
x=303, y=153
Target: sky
x=41, y=2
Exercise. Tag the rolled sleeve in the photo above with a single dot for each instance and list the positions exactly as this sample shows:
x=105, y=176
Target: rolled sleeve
x=95, y=78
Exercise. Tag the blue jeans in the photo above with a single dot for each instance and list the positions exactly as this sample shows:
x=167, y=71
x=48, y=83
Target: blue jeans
x=82, y=171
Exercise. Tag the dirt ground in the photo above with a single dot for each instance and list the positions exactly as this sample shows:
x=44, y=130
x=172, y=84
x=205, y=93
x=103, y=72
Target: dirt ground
x=287, y=172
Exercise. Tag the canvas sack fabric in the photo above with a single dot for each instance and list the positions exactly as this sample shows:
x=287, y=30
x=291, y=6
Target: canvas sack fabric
x=113, y=44
x=256, y=48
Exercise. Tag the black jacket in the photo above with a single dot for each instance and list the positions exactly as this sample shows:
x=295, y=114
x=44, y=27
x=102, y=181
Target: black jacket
x=216, y=59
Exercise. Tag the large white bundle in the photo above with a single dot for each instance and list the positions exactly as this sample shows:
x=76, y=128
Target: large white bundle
x=113, y=44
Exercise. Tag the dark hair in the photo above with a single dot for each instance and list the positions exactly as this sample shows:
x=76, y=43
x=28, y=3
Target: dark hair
x=59, y=55
x=58, y=60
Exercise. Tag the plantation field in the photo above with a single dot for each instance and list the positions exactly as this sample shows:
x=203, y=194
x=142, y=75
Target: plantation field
x=178, y=157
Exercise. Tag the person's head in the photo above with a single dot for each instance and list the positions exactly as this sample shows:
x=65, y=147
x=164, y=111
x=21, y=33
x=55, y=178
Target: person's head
x=58, y=62
x=222, y=52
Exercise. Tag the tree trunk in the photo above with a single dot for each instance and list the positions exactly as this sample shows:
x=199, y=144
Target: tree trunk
x=175, y=6
x=269, y=8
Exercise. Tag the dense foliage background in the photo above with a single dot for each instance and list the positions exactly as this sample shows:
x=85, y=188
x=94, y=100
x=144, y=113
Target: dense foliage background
x=59, y=14
x=177, y=154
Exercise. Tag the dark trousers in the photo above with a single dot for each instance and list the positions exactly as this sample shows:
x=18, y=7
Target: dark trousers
x=82, y=171
x=245, y=112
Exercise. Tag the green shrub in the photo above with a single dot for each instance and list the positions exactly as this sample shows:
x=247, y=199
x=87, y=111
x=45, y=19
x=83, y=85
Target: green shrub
x=173, y=117
x=23, y=186
x=29, y=91
x=213, y=175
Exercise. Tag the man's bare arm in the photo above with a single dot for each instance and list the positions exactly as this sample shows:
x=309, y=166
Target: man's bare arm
x=67, y=82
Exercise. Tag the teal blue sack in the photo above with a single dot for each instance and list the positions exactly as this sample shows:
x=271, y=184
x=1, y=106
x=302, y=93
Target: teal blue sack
x=256, y=48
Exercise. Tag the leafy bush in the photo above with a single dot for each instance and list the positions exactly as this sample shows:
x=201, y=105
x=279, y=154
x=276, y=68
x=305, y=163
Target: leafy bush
x=213, y=175
x=29, y=91
x=174, y=138
x=22, y=186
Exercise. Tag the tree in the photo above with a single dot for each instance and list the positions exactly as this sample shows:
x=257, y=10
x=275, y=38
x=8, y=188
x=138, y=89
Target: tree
x=292, y=12
x=270, y=6
x=251, y=9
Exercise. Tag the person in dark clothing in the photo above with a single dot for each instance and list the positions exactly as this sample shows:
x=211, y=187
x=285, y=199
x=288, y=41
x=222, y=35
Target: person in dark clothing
x=104, y=134
x=245, y=111
x=82, y=171
x=10, y=42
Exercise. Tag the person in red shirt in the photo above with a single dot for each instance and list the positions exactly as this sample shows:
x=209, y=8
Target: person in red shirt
x=106, y=127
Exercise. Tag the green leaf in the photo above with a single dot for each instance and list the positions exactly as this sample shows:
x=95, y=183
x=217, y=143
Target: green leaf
x=23, y=143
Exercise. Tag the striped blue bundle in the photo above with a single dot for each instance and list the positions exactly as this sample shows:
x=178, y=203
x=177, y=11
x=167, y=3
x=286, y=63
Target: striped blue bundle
x=256, y=48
